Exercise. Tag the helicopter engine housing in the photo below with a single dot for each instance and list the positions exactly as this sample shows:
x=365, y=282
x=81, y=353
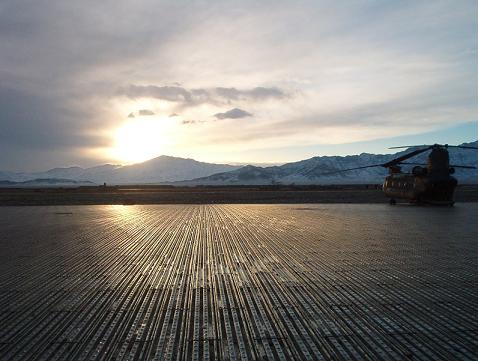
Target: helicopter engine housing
x=419, y=171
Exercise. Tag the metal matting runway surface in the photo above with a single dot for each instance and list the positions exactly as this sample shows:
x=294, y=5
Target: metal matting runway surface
x=239, y=282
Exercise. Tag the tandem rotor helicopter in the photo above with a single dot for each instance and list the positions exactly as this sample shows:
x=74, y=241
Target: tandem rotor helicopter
x=430, y=183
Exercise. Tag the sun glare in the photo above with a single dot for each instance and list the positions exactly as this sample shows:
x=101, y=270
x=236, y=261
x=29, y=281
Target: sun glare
x=139, y=140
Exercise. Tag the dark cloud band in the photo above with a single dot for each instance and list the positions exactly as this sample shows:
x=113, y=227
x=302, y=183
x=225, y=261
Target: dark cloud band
x=235, y=113
x=146, y=112
x=200, y=95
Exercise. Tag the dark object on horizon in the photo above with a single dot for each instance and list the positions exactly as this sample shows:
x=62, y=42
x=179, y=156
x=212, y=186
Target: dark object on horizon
x=430, y=183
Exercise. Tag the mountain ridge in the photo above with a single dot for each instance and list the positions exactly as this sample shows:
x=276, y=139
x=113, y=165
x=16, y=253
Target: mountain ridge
x=157, y=170
x=166, y=169
x=314, y=170
x=41, y=182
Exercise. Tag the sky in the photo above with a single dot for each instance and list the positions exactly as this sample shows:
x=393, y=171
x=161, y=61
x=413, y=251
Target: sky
x=88, y=82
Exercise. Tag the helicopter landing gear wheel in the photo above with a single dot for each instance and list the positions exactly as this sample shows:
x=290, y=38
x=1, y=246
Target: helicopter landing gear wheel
x=392, y=202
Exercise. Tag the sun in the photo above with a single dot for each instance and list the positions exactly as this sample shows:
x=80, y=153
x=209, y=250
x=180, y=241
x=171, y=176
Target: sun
x=139, y=140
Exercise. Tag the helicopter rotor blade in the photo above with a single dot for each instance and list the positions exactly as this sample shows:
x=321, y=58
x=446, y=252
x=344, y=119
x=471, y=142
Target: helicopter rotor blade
x=451, y=165
x=406, y=156
x=385, y=165
x=399, y=160
x=439, y=145
x=410, y=146
x=463, y=146
x=462, y=166
x=411, y=163
x=348, y=169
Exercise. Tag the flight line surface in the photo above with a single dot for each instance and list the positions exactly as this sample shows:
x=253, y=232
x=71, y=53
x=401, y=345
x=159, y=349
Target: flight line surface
x=239, y=282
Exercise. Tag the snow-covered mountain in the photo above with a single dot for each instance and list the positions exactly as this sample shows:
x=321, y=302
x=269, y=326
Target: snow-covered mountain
x=158, y=170
x=314, y=170
x=165, y=169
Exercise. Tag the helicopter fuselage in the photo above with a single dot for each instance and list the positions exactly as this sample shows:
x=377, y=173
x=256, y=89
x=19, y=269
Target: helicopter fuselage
x=430, y=183
x=426, y=189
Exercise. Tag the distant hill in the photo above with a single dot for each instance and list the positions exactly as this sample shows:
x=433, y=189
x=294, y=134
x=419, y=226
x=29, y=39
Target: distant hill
x=181, y=171
x=162, y=169
x=44, y=182
x=311, y=171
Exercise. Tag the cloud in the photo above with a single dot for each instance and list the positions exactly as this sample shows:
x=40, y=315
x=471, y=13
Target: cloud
x=169, y=93
x=259, y=93
x=40, y=121
x=41, y=130
x=196, y=96
x=172, y=115
x=185, y=122
x=145, y=112
x=235, y=113
x=131, y=115
x=393, y=67
x=228, y=93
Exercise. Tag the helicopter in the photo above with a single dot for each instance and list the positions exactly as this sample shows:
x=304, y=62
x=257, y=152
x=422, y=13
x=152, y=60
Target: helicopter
x=430, y=183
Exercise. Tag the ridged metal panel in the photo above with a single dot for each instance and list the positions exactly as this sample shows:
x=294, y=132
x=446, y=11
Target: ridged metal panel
x=238, y=282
